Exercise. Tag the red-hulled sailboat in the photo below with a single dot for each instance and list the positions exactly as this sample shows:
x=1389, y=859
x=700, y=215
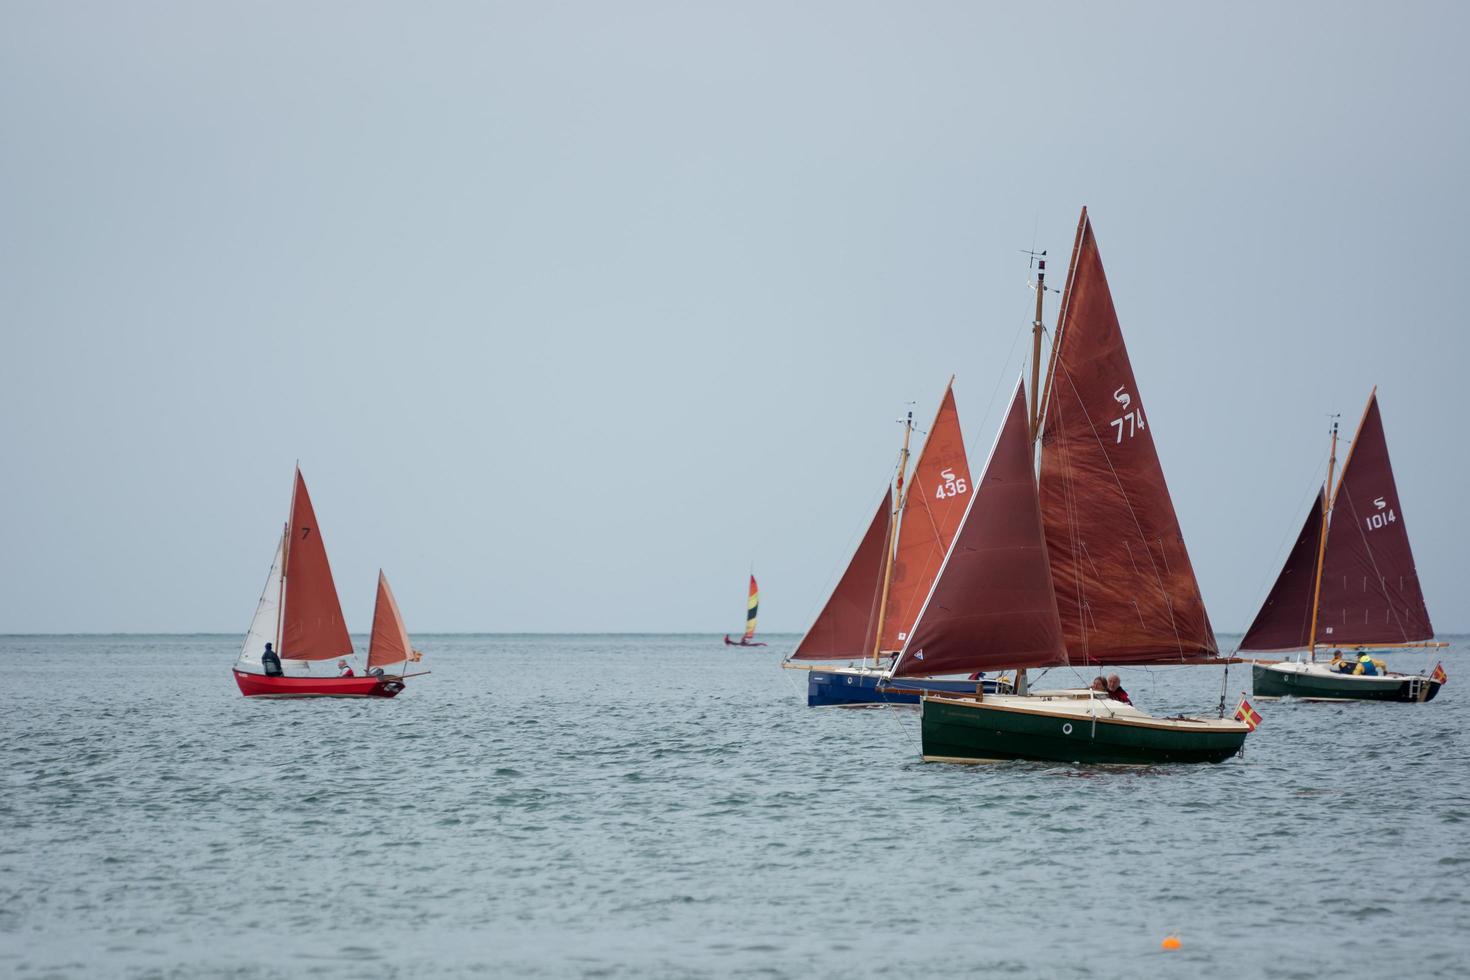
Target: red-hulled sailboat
x=874, y=605
x=1349, y=581
x=299, y=620
x=1082, y=563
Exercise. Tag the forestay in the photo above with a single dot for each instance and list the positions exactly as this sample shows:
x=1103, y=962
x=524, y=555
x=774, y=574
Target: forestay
x=1285, y=619
x=933, y=506
x=992, y=605
x=847, y=625
x=267, y=613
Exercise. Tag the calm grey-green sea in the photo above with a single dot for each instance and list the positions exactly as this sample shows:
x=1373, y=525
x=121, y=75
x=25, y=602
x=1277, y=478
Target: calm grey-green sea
x=667, y=806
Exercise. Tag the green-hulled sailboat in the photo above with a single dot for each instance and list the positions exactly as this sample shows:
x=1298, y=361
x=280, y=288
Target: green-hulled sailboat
x=1079, y=561
x=1349, y=582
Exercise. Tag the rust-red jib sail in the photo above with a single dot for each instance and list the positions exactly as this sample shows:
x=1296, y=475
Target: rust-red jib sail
x=1370, y=587
x=1126, y=590
x=389, y=641
x=847, y=625
x=934, y=504
x=312, y=627
x=992, y=605
x=1285, y=619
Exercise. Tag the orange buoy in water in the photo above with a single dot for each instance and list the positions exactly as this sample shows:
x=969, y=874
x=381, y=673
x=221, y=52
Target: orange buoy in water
x=1170, y=942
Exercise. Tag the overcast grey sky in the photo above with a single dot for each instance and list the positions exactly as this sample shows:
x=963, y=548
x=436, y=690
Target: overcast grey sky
x=571, y=311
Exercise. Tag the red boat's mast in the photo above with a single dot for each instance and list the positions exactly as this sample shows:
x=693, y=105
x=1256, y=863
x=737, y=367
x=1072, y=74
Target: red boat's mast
x=286, y=559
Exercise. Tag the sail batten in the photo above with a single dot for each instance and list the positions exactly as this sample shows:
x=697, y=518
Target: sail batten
x=992, y=605
x=1126, y=589
x=848, y=623
x=933, y=505
x=312, y=626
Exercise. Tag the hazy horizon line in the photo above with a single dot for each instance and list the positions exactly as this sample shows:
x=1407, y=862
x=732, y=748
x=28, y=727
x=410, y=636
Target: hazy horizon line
x=781, y=633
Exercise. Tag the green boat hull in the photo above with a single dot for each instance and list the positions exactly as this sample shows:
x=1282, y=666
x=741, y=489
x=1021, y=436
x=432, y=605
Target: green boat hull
x=971, y=731
x=1268, y=683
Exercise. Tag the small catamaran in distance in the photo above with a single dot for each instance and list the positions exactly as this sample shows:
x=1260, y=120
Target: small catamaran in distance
x=299, y=620
x=752, y=605
x=1349, y=581
x=1078, y=562
x=874, y=604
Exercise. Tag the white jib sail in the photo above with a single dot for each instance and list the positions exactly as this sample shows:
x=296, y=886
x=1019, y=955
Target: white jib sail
x=267, y=616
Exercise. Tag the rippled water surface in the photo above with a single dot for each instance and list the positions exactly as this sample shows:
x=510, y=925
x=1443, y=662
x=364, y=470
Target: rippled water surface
x=636, y=806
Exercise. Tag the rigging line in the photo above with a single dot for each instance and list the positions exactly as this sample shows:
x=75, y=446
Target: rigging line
x=1281, y=552
x=836, y=575
x=1069, y=506
x=1004, y=373
x=892, y=711
x=1378, y=576
x=1048, y=378
x=1173, y=624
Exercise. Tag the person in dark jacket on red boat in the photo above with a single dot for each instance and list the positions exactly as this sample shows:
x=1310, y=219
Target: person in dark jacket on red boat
x=1115, y=689
x=270, y=663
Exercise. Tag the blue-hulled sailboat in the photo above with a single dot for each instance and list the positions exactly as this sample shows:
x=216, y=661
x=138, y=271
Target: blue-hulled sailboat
x=874, y=605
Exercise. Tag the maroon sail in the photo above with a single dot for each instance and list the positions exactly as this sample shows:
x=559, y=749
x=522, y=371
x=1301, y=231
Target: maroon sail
x=848, y=624
x=1126, y=590
x=933, y=504
x=992, y=605
x=1285, y=620
x=1370, y=588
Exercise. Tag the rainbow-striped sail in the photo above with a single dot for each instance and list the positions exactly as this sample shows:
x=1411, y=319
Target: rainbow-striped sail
x=752, y=605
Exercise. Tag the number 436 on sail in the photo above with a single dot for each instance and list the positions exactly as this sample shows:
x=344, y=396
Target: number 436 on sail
x=951, y=487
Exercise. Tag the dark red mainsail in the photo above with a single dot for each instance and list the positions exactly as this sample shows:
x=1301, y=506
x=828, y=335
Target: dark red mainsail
x=934, y=504
x=992, y=606
x=1126, y=590
x=848, y=624
x=1370, y=588
x=1285, y=619
x=312, y=627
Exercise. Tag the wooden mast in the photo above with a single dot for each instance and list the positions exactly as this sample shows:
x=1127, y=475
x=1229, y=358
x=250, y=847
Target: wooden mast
x=898, y=501
x=285, y=561
x=1327, y=500
x=1037, y=328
